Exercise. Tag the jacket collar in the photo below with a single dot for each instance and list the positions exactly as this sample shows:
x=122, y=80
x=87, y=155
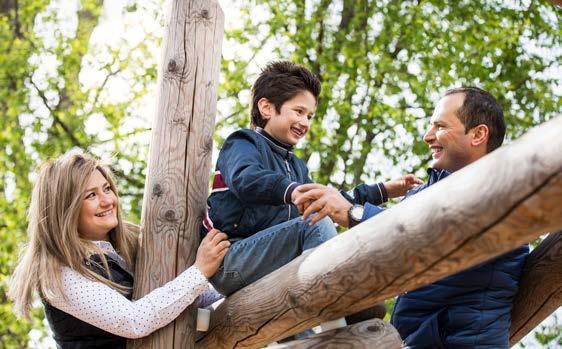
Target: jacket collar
x=436, y=175
x=108, y=249
x=285, y=150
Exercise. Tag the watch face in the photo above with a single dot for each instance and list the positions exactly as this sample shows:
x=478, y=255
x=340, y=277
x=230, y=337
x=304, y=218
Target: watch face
x=357, y=212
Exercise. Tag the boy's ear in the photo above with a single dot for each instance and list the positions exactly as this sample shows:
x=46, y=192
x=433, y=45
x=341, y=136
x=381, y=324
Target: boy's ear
x=480, y=135
x=265, y=107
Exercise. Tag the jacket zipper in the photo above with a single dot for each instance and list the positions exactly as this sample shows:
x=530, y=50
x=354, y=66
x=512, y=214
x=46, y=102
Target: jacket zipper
x=288, y=173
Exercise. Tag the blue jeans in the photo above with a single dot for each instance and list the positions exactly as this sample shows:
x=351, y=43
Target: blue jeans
x=251, y=258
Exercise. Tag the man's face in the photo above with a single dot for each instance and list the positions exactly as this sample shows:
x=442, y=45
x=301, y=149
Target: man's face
x=449, y=143
x=291, y=124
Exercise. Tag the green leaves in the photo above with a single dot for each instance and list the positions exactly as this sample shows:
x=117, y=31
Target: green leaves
x=384, y=63
x=46, y=103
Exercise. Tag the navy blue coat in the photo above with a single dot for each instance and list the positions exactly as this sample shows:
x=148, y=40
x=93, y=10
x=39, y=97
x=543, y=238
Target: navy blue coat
x=254, y=179
x=470, y=309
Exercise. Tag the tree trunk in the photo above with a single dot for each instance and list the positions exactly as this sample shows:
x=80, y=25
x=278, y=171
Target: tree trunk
x=540, y=291
x=180, y=152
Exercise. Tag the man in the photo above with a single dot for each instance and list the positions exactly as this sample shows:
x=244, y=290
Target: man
x=470, y=309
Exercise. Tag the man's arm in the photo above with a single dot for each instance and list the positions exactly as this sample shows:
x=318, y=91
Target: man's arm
x=379, y=193
x=328, y=201
x=324, y=201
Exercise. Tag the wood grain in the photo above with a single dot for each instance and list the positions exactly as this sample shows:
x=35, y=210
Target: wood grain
x=180, y=154
x=540, y=290
x=503, y=200
x=374, y=333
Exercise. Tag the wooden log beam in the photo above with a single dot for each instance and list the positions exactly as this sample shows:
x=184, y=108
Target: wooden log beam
x=180, y=153
x=540, y=292
x=374, y=333
x=485, y=209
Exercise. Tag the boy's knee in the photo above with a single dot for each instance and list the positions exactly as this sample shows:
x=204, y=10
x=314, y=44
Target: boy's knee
x=327, y=226
x=318, y=233
x=227, y=282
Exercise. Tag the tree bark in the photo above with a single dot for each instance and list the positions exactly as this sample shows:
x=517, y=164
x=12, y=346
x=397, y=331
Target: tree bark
x=540, y=290
x=180, y=152
x=483, y=210
x=374, y=333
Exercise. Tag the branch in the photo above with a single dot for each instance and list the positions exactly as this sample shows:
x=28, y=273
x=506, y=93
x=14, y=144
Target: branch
x=102, y=86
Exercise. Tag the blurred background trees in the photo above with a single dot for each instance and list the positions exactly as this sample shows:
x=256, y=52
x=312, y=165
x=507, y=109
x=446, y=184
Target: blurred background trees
x=83, y=74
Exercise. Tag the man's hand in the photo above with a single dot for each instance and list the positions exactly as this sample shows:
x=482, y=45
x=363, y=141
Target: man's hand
x=400, y=186
x=324, y=201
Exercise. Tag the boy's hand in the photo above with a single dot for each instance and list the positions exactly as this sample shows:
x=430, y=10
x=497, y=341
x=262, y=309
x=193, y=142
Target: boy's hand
x=295, y=195
x=302, y=204
x=211, y=252
x=400, y=186
x=324, y=201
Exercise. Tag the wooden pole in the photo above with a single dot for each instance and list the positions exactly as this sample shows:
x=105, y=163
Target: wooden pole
x=485, y=209
x=540, y=292
x=374, y=333
x=180, y=153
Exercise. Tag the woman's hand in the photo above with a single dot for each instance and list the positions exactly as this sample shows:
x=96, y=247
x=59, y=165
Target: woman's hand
x=211, y=252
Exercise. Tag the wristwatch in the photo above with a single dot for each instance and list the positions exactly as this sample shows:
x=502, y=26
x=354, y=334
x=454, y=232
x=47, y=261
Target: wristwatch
x=355, y=214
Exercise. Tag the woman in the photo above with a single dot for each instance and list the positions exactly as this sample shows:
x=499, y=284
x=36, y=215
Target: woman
x=80, y=259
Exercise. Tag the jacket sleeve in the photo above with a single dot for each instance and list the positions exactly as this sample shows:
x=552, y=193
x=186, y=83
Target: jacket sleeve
x=307, y=178
x=374, y=194
x=243, y=171
x=370, y=211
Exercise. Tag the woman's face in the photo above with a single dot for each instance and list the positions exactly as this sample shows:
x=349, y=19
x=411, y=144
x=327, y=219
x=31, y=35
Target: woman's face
x=98, y=214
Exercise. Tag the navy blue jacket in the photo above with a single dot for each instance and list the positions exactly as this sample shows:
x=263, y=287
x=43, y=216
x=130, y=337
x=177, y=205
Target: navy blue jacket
x=470, y=309
x=255, y=176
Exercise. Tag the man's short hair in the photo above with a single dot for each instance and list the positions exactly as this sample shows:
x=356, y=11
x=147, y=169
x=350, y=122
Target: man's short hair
x=279, y=82
x=480, y=107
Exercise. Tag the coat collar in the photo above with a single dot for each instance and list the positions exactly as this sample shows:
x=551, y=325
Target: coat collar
x=436, y=175
x=285, y=150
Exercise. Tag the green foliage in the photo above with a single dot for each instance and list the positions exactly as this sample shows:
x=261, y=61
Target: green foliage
x=45, y=107
x=17, y=43
x=548, y=334
x=382, y=63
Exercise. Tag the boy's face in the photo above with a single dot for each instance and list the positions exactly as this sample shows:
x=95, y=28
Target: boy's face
x=291, y=124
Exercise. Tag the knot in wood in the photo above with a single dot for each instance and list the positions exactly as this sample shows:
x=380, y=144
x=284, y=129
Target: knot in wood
x=372, y=328
x=208, y=144
x=170, y=215
x=534, y=159
x=157, y=190
x=205, y=14
x=172, y=66
x=178, y=120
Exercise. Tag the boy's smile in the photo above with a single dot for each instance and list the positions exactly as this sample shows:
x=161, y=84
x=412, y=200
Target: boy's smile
x=291, y=124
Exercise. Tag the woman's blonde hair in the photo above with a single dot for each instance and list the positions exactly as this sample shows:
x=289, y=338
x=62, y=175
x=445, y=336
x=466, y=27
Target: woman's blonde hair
x=54, y=240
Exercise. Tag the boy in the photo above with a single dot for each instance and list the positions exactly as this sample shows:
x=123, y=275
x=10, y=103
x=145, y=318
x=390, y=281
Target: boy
x=257, y=178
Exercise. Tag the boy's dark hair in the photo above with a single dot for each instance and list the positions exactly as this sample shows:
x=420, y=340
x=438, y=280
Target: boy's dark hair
x=480, y=107
x=279, y=82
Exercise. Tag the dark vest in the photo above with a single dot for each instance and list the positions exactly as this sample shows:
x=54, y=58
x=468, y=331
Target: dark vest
x=72, y=333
